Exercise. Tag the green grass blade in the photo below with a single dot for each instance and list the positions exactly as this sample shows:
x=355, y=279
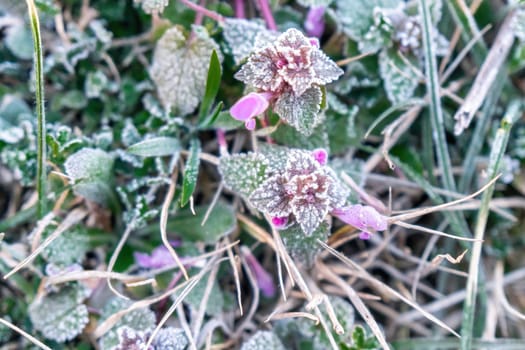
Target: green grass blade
x=41, y=175
x=191, y=172
x=213, y=83
x=498, y=150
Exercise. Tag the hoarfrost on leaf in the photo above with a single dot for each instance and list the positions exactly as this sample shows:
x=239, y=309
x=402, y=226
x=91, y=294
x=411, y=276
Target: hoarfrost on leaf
x=243, y=173
x=152, y=6
x=301, y=112
x=166, y=339
x=398, y=76
x=263, y=340
x=240, y=36
x=68, y=248
x=180, y=68
x=60, y=316
x=311, y=3
x=304, y=248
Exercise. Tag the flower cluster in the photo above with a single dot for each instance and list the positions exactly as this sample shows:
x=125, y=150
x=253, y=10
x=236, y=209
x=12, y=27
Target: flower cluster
x=304, y=192
x=282, y=72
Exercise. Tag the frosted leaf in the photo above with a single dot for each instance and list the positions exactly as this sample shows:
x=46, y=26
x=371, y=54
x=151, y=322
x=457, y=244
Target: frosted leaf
x=287, y=135
x=215, y=302
x=357, y=16
x=68, y=248
x=325, y=69
x=276, y=155
x=240, y=36
x=398, y=76
x=518, y=24
x=152, y=6
x=91, y=171
x=301, y=112
x=272, y=197
x=19, y=41
x=311, y=3
x=263, y=340
x=243, y=173
x=129, y=134
x=166, y=339
x=60, y=316
x=304, y=248
x=259, y=71
x=300, y=162
x=138, y=320
x=95, y=83
x=180, y=68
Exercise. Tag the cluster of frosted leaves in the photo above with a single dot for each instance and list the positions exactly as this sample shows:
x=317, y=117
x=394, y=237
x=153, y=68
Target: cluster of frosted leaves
x=68, y=248
x=138, y=320
x=152, y=6
x=293, y=69
x=243, y=173
x=263, y=340
x=304, y=333
x=242, y=36
x=60, y=316
x=91, y=171
x=180, y=68
x=166, y=339
x=304, y=191
x=304, y=249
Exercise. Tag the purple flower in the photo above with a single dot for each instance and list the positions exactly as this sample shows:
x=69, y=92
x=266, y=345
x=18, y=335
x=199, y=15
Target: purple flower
x=304, y=192
x=320, y=155
x=280, y=222
x=292, y=62
x=159, y=257
x=250, y=106
x=314, y=23
x=263, y=278
x=364, y=218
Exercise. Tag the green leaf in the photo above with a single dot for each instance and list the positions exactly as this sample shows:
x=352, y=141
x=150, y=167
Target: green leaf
x=68, y=248
x=212, y=118
x=140, y=320
x=156, y=147
x=289, y=136
x=13, y=111
x=357, y=16
x=180, y=68
x=215, y=303
x=60, y=316
x=221, y=221
x=212, y=85
x=222, y=120
x=91, y=171
x=398, y=76
x=95, y=84
x=301, y=112
x=243, y=173
x=302, y=247
x=263, y=340
x=191, y=172
x=47, y=6
x=19, y=42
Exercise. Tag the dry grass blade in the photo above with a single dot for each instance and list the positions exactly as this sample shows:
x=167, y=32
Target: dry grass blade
x=40, y=227
x=75, y=216
x=83, y=275
x=25, y=334
x=440, y=257
x=296, y=314
x=113, y=260
x=386, y=289
x=488, y=72
x=199, y=317
x=420, y=212
x=434, y=232
x=164, y=222
x=500, y=293
x=236, y=278
x=357, y=302
x=184, y=324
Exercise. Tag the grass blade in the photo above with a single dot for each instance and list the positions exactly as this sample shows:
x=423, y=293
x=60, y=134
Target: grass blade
x=191, y=172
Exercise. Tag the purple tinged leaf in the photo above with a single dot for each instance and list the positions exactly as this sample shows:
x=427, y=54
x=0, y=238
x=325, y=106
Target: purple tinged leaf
x=272, y=197
x=300, y=163
x=364, y=218
x=260, y=71
x=159, y=257
x=314, y=23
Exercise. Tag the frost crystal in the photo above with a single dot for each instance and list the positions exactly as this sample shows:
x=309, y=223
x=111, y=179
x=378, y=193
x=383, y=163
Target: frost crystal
x=305, y=191
x=263, y=340
x=167, y=339
x=152, y=6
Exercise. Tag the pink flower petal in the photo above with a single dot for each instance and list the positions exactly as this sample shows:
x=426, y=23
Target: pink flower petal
x=250, y=124
x=314, y=23
x=365, y=218
x=263, y=278
x=159, y=257
x=320, y=155
x=250, y=106
x=280, y=222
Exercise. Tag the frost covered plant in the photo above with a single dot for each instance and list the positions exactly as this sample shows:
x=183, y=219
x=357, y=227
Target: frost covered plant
x=289, y=74
x=303, y=192
x=152, y=6
x=167, y=338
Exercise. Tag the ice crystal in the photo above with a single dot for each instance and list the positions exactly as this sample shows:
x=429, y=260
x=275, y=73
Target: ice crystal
x=305, y=190
x=167, y=339
x=152, y=6
x=263, y=340
x=291, y=63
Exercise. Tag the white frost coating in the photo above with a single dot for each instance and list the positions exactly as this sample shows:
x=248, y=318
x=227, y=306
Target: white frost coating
x=152, y=6
x=180, y=68
x=263, y=340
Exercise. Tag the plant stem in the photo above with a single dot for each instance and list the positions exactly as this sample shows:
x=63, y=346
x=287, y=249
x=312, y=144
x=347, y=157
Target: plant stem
x=41, y=175
x=239, y=9
x=498, y=150
x=267, y=14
